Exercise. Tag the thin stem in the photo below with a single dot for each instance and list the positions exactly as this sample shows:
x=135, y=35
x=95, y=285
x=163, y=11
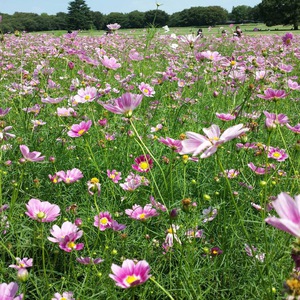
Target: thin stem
x=162, y=288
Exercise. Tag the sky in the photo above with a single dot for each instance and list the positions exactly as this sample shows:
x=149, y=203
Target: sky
x=52, y=7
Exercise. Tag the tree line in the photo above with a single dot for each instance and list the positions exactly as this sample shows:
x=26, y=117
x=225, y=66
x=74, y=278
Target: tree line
x=80, y=16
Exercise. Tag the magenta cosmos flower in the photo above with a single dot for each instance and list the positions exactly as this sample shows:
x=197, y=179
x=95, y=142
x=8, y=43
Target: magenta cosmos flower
x=103, y=220
x=173, y=144
x=125, y=105
x=272, y=95
x=141, y=213
x=78, y=130
x=114, y=175
x=225, y=117
x=8, y=291
x=277, y=154
x=288, y=210
x=143, y=163
x=295, y=128
x=63, y=296
x=70, y=176
x=130, y=274
x=272, y=120
x=197, y=143
x=89, y=260
x=287, y=38
x=31, y=156
x=42, y=211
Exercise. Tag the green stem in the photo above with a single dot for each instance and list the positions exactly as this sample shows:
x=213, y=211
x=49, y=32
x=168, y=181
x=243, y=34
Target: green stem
x=162, y=288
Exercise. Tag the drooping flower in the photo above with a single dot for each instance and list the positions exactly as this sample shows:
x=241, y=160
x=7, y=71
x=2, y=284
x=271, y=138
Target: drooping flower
x=225, y=117
x=197, y=143
x=278, y=154
x=141, y=213
x=42, y=211
x=133, y=181
x=8, y=291
x=125, y=104
x=295, y=129
x=261, y=170
x=78, y=130
x=252, y=252
x=31, y=156
x=103, y=220
x=22, y=263
x=288, y=210
x=94, y=186
x=209, y=214
x=170, y=237
x=143, y=163
x=146, y=89
x=4, y=111
x=157, y=204
x=63, y=296
x=4, y=134
x=272, y=95
x=70, y=176
x=130, y=273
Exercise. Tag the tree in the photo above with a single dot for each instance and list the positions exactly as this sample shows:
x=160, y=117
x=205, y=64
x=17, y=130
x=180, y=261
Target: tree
x=285, y=12
x=156, y=17
x=137, y=19
x=241, y=13
x=98, y=19
x=79, y=15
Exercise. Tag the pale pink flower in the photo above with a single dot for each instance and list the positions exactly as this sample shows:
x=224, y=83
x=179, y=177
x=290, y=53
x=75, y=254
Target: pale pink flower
x=89, y=260
x=63, y=296
x=134, y=55
x=272, y=95
x=110, y=63
x=156, y=128
x=252, y=252
x=285, y=68
x=189, y=39
x=211, y=55
x=173, y=144
x=141, y=213
x=133, y=181
x=261, y=170
x=157, y=204
x=4, y=111
x=277, y=154
x=4, y=134
x=259, y=75
x=130, y=274
x=23, y=263
x=225, y=117
x=42, y=211
x=288, y=210
x=68, y=244
x=197, y=143
x=37, y=123
x=146, y=89
x=170, y=237
x=103, y=221
x=143, y=163
x=8, y=291
x=87, y=94
x=94, y=186
x=232, y=173
x=114, y=175
x=65, y=112
x=77, y=130
x=272, y=120
x=125, y=104
x=293, y=85
x=114, y=26
x=60, y=233
x=70, y=176
x=295, y=129
x=31, y=156
x=208, y=214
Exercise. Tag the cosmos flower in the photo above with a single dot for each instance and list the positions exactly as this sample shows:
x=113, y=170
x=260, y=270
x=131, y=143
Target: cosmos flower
x=4, y=134
x=225, y=117
x=103, y=220
x=89, y=260
x=197, y=143
x=70, y=176
x=141, y=213
x=8, y=291
x=63, y=296
x=114, y=175
x=130, y=273
x=133, y=181
x=31, y=156
x=143, y=163
x=272, y=120
x=146, y=89
x=42, y=211
x=287, y=38
x=22, y=263
x=125, y=104
x=94, y=186
x=110, y=63
x=114, y=26
x=4, y=111
x=87, y=94
x=295, y=129
x=78, y=130
x=288, y=210
x=261, y=170
x=272, y=95
x=175, y=145
x=277, y=154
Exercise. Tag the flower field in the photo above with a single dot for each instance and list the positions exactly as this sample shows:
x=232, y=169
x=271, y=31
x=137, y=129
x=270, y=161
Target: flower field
x=150, y=166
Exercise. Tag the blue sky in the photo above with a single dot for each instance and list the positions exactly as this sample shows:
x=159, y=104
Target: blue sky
x=106, y=6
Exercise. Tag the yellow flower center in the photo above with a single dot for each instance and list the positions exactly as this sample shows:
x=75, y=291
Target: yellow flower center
x=276, y=154
x=103, y=221
x=145, y=91
x=87, y=97
x=71, y=245
x=170, y=230
x=233, y=63
x=81, y=132
x=63, y=298
x=144, y=165
x=41, y=215
x=94, y=180
x=131, y=279
x=142, y=216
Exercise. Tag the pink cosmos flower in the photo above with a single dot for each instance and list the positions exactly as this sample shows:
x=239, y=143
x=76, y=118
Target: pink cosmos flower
x=60, y=233
x=8, y=291
x=213, y=56
x=252, y=252
x=288, y=210
x=143, y=163
x=287, y=38
x=276, y=153
x=110, y=63
x=197, y=143
x=272, y=95
x=114, y=26
x=261, y=170
x=295, y=129
x=170, y=237
x=31, y=156
x=94, y=186
x=78, y=130
x=272, y=120
x=173, y=144
x=225, y=117
x=130, y=274
x=70, y=176
x=64, y=296
x=133, y=181
x=4, y=134
x=89, y=260
x=146, y=89
x=125, y=104
x=88, y=94
x=293, y=85
x=141, y=213
x=42, y=211
x=103, y=220
x=68, y=243
x=232, y=173
x=65, y=112
x=157, y=204
x=114, y=175
x=23, y=263
x=4, y=111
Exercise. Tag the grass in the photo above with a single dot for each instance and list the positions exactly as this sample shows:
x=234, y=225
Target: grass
x=214, y=215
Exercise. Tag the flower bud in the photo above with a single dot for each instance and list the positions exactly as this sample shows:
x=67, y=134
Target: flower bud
x=22, y=275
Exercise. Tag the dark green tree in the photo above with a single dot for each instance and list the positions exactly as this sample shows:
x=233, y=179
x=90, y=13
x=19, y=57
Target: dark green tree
x=283, y=12
x=79, y=15
x=156, y=17
x=137, y=19
x=116, y=17
x=241, y=13
x=98, y=20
